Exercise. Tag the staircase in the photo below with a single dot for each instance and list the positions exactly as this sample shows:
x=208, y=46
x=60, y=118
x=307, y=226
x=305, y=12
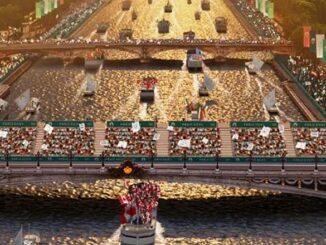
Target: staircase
x=226, y=147
x=162, y=145
x=288, y=139
x=99, y=128
x=39, y=137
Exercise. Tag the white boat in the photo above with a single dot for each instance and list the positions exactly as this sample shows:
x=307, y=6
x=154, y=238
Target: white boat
x=33, y=105
x=140, y=214
x=90, y=86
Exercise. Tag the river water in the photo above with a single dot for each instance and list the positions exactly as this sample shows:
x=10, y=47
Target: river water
x=273, y=219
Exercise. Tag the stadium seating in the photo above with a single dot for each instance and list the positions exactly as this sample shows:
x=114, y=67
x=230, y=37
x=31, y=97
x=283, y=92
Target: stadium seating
x=273, y=145
x=63, y=141
x=311, y=76
x=197, y=146
x=19, y=140
x=139, y=143
x=314, y=144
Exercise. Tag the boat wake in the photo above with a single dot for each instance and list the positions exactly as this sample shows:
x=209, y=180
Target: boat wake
x=159, y=238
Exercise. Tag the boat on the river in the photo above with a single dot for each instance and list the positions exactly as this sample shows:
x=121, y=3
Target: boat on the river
x=138, y=221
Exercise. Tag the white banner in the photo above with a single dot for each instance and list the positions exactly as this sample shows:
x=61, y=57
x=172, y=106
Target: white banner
x=3, y=134
x=319, y=45
x=82, y=127
x=135, y=127
x=122, y=144
x=265, y=132
x=104, y=142
x=156, y=137
x=185, y=143
x=48, y=128
x=301, y=145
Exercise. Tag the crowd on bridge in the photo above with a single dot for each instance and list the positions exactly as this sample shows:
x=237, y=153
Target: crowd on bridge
x=17, y=140
x=9, y=64
x=311, y=75
x=125, y=141
x=250, y=141
x=265, y=27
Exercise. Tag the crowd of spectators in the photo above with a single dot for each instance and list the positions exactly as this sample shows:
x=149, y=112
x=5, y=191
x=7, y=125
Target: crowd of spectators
x=136, y=143
x=311, y=76
x=71, y=22
x=17, y=140
x=9, y=64
x=265, y=27
x=203, y=141
x=65, y=141
x=314, y=140
x=247, y=141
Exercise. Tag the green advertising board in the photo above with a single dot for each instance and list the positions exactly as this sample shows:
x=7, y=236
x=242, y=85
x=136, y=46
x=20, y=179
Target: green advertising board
x=127, y=124
x=70, y=124
x=193, y=124
x=18, y=124
x=234, y=124
x=308, y=124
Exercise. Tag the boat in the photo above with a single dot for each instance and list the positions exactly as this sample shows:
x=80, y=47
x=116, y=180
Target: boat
x=221, y=24
x=150, y=1
x=147, y=86
x=254, y=66
x=26, y=239
x=90, y=85
x=168, y=8
x=205, y=5
x=189, y=35
x=189, y=1
x=126, y=4
x=194, y=60
x=101, y=28
x=94, y=60
x=125, y=34
x=163, y=26
x=134, y=15
x=197, y=15
x=33, y=106
x=138, y=221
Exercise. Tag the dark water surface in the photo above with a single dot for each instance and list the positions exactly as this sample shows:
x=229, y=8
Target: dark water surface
x=280, y=219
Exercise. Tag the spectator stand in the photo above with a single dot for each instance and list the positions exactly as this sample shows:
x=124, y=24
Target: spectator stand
x=257, y=138
x=194, y=138
x=64, y=138
x=17, y=137
x=127, y=138
x=309, y=138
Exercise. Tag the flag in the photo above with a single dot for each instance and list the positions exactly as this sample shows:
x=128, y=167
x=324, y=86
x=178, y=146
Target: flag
x=46, y=6
x=124, y=200
x=38, y=10
x=319, y=45
x=306, y=36
x=324, y=45
x=202, y=115
x=55, y=4
x=257, y=4
x=62, y=2
x=270, y=10
x=42, y=7
x=312, y=41
x=23, y=99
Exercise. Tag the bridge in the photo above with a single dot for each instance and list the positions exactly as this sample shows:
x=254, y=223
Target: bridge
x=307, y=179
x=145, y=49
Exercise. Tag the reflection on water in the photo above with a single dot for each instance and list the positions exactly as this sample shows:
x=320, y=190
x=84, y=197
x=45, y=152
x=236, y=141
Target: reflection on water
x=277, y=219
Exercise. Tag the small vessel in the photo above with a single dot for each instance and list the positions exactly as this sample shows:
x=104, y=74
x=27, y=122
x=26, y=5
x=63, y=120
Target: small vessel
x=189, y=35
x=90, y=85
x=221, y=24
x=168, y=7
x=197, y=15
x=150, y=1
x=163, y=26
x=134, y=15
x=33, y=106
x=94, y=60
x=147, y=86
x=189, y=1
x=125, y=34
x=194, y=60
x=205, y=5
x=126, y=4
x=102, y=27
x=138, y=221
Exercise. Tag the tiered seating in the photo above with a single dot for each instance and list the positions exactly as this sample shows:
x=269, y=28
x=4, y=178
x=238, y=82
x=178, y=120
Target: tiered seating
x=273, y=145
x=19, y=140
x=139, y=143
x=197, y=146
x=66, y=140
x=314, y=139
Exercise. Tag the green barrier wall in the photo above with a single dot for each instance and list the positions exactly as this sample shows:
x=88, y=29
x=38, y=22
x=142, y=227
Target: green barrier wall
x=235, y=124
x=308, y=124
x=127, y=124
x=193, y=124
x=31, y=124
x=70, y=124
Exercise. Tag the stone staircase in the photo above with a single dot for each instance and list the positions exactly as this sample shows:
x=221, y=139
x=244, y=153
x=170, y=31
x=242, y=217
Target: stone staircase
x=163, y=143
x=226, y=147
x=39, y=137
x=288, y=139
x=99, y=128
